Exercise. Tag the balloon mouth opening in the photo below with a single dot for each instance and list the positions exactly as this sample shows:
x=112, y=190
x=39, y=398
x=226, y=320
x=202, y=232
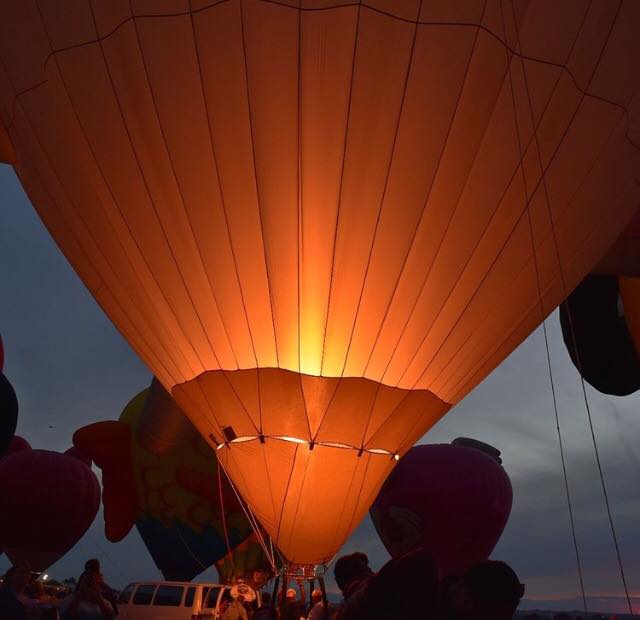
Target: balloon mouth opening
x=311, y=444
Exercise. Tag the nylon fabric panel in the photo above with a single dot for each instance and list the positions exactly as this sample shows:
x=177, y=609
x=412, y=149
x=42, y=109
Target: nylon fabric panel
x=294, y=211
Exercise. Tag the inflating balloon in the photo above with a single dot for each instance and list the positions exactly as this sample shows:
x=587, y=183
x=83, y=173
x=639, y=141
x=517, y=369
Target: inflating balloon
x=322, y=228
x=48, y=501
x=8, y=413
x=160, y=474
x=454, y=500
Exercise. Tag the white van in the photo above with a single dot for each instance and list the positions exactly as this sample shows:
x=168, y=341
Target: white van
x=175, y=600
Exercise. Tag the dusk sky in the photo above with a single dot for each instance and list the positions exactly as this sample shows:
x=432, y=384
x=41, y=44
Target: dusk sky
x=70, y=367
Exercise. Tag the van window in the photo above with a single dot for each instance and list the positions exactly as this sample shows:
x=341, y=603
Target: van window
x=125, y=595
x=188, y=599
x=143, y=595
x=168, y=596
x=212, y=599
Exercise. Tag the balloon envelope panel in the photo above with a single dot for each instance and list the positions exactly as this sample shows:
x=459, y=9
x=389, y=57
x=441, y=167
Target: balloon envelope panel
x=376, y=191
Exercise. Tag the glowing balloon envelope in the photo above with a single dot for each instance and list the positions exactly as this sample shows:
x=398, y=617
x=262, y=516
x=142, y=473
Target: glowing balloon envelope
x=322, y=224
x=454, y=500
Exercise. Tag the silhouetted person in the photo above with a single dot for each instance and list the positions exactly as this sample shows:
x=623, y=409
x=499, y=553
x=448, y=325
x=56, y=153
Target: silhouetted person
x=293, y=607
x=265, y=611
x=389, y=593
x=12, y=593
x=317, y=606
x=488, y=591
x=87, y=602
x=236, y=610
x=92, y=572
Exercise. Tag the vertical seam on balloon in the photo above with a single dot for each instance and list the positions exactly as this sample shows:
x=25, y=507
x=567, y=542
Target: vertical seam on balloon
x=336, y=531
x=469, y=378
x=337, y=223
x=424, y=206
x=498, y=254
x=318, y=9
x=286, y=492
x=79, y=211
x=268, y=473
x=143, y=178
x=149, y=353
x=219, y=181
x=357, y=502
x=441, y=243
x=340, y=187
x=601, y=151
x=184, y=207
x=255, y=174
x=564, y=287
x=304, y=479
x=299, y=174
x=380, y=208
x=394, y=144
x=541, y=305
x=300, y=212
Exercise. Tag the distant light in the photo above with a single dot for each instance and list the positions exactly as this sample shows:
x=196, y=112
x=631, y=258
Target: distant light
x=396, y=457
x=45, y=577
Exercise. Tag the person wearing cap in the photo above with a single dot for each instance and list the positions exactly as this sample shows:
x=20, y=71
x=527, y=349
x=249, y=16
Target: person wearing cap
x=490, y=590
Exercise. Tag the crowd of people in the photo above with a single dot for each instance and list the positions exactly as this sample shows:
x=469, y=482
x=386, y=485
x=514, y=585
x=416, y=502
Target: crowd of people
x=406, y=588
x=23, y=596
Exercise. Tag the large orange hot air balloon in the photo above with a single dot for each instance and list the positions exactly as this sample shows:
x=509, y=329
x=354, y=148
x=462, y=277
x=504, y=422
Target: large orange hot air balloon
x=322, y=223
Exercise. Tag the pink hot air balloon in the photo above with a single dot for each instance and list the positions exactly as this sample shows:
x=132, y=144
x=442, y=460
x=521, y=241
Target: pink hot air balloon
x=17, y=445
x=47, y=502
x=452, y=499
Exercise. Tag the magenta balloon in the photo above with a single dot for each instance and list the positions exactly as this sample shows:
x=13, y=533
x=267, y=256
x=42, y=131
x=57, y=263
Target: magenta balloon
x=452, y=499
x=48, y=501
x=17, y=445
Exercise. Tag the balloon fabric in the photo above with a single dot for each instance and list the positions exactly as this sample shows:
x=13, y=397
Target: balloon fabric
x=48, y=500
x=159, y=474
x=322, y=224
x=598, y=338
x=450, y=499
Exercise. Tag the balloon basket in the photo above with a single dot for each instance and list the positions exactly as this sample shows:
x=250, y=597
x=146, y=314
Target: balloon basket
x=307, y=572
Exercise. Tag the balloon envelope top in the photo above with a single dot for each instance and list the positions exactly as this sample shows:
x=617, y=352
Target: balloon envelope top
x=321, y=224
